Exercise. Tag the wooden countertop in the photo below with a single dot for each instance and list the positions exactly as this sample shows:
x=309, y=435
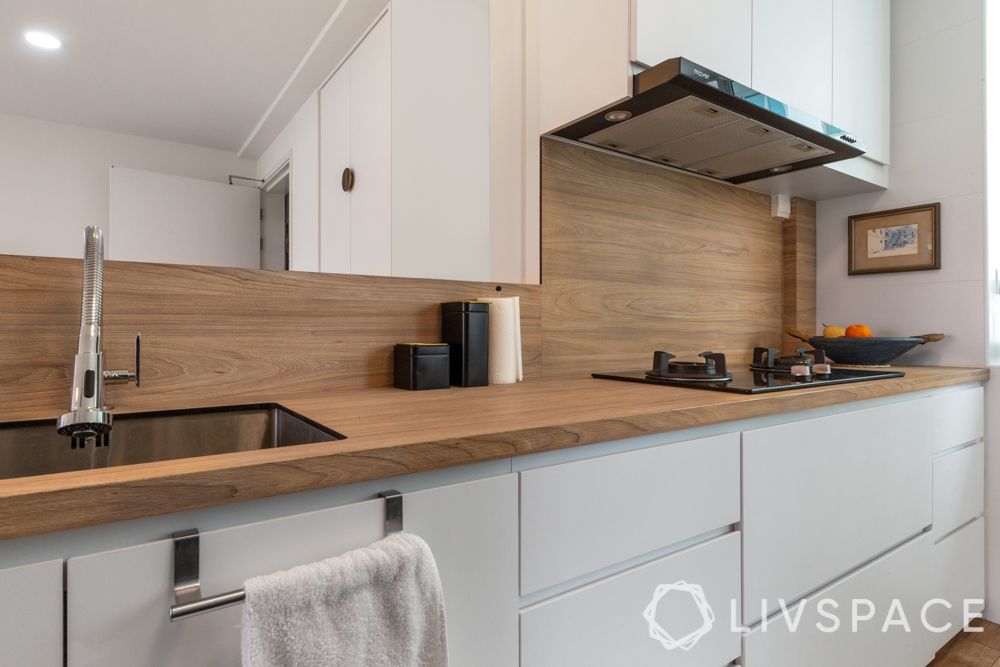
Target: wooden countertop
x=393, y=432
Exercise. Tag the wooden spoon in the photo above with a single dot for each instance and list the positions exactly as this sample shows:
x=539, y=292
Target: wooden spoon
x=795, y=333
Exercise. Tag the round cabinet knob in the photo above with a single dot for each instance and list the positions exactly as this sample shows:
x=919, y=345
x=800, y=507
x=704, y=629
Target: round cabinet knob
x=347, y=179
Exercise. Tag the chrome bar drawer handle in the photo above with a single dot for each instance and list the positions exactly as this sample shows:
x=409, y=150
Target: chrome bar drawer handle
x=188, y=601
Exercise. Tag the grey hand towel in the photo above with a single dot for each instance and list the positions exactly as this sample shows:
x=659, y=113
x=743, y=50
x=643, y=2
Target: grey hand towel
x=379, y=605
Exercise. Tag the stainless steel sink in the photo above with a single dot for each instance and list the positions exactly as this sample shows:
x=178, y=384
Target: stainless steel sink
x=35, y=448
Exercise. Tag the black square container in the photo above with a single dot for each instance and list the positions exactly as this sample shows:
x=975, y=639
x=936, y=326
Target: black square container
x=465, y=325
x=421, y=365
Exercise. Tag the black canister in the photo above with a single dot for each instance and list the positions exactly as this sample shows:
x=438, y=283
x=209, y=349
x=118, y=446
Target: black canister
x=465, y=326
x=421, y=365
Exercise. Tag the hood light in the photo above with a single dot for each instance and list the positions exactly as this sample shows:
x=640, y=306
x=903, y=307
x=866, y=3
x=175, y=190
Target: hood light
x=617, y=116
x=43, y=40
x=780, y=170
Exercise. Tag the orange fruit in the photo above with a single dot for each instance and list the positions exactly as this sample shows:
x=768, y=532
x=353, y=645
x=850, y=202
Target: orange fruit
x=858, y=331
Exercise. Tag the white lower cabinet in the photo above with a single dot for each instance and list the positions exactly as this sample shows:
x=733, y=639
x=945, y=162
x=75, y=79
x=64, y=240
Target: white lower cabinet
x=936, y=585
x=609, y=622
x=651, y=556
x=579, y=517
x=958, y=573
x=31, y=615
x=118, y=600
x=823, y=496
x=959, y=488
x=818, y=641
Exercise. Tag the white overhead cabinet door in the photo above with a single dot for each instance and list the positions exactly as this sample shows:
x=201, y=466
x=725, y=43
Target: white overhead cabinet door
x=713, y=33
x=441, y=139
x=334, y=158
x=409, y=115
x=355, y=116
x=861, y=73
x=177, y=220
x=793, y=53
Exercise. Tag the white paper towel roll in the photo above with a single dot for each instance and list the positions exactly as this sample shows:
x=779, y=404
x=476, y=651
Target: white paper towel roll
x=505, y=340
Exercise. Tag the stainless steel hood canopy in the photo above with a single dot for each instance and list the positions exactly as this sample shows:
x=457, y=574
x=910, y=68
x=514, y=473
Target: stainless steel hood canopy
x=686, y=116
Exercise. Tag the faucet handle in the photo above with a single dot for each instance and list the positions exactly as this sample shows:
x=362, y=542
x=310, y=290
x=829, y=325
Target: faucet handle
x=117, y=377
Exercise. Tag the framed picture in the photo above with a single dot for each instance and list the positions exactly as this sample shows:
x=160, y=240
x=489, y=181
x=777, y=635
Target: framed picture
x=903, y=239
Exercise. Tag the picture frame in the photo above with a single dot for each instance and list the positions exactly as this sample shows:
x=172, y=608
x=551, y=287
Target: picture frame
x=899, y=239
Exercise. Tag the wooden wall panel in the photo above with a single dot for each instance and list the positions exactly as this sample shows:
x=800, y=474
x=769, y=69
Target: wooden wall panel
x=637, y=258
x=798, y=309
x=210, y=333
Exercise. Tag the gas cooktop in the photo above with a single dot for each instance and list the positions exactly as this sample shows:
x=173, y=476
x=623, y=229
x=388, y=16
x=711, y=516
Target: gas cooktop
x=769, y=371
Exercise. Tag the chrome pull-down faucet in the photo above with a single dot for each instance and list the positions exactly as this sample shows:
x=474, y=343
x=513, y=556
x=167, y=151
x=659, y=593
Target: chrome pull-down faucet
x=88, y=415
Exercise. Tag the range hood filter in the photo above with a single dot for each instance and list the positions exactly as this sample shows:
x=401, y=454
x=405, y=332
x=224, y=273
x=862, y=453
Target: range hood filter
x=686, y=116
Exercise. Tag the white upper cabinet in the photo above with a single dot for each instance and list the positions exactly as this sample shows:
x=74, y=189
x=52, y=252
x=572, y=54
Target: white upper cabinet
x=355, y=222
x=335, y=159
x=371, y=151
x=861, y=73
x=826, y=58
x=409, y=113
x=712, y=33
x=441, y=139
x=576, y=60
x=793, y=53
x=577, y=56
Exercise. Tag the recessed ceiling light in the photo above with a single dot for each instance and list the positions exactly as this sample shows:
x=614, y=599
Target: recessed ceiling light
x=42, y=40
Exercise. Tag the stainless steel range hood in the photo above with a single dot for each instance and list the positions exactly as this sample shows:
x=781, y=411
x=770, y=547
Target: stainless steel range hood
x=686, y=116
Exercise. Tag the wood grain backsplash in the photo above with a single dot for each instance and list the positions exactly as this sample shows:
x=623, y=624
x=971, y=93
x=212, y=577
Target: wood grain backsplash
x=214, y=334
x=635, y=258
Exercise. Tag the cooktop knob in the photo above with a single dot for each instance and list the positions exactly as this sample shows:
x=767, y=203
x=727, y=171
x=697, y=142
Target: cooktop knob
x=800, y=371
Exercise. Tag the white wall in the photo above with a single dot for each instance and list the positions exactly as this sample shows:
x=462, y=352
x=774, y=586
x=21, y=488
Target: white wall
x=937, y=155
x=54, y=179
x=993, y=387
x=178, y=220
x=298, y=144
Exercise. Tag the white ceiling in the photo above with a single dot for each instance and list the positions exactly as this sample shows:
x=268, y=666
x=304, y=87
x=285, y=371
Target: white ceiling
x=201, y=72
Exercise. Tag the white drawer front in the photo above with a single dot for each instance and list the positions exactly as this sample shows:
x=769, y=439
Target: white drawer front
x=605, y=624
x=953, y=418
x=823, y=496
x=901, y=574
x=580, y=517
x=118, y=600
x=959, y=574
x=31, y=615
x=959, y=479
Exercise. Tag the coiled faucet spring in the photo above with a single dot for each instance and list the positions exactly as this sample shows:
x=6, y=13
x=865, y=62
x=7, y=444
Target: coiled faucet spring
x=88, y=416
